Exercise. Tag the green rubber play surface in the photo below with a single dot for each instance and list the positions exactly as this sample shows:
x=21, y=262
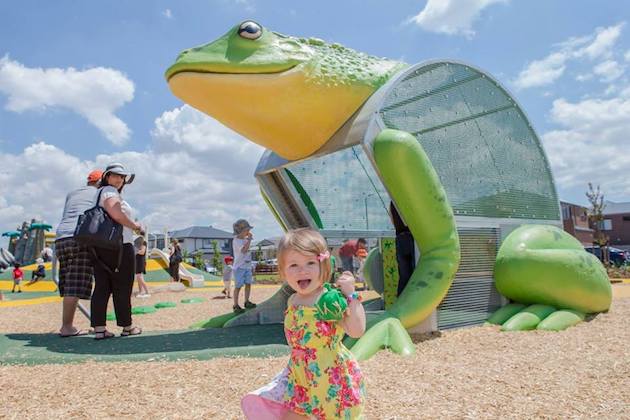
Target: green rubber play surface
x=245, y=341
x=8, y=296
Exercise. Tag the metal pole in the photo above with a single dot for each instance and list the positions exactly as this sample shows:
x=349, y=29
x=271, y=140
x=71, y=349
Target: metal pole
x=367, y=223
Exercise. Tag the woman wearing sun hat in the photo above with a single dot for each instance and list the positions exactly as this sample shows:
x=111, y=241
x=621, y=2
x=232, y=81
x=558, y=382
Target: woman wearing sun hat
x=111, y=277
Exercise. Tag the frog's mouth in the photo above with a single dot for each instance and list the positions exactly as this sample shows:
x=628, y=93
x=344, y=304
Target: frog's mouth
x=285, y=111
x=225, y=68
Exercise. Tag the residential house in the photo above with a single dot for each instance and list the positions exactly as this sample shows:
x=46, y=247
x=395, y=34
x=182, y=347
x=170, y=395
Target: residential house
x=616, y=224
x=575, y=222
x=155, y=240
x=268, y=248
x=200, y=238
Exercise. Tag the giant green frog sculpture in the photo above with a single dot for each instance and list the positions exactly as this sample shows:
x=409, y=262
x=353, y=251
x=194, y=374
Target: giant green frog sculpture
x=291, y=95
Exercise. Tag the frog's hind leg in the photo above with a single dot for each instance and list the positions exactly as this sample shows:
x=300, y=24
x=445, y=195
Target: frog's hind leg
x=415, y=188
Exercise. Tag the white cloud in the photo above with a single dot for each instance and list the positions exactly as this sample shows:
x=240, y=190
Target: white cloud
x=626, y=56
x=583, y=77
x=451, y=17
x=187, y=130
x=599, y=45
x=542, y=72
x=591, y=145
x=197, y=172
x=609, y=70
x=34, y=190
x=167, y=14
x=605, y=39
x=95, y=94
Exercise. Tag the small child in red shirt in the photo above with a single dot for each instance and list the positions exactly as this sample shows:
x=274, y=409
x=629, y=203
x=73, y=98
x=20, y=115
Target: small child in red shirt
x=18, y=275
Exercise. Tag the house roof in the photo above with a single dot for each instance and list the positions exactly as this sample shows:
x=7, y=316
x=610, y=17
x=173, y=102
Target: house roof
x=567, y=203
x=269, y=242
x=202, y=232
x=616, y=208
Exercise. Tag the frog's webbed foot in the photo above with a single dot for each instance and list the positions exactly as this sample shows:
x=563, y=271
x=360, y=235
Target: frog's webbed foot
x=384, y=333
x=519, y=317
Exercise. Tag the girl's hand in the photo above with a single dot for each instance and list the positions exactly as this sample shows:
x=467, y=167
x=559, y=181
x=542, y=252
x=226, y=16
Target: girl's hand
x=345, y=282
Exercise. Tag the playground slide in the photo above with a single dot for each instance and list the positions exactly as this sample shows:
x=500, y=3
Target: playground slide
x=193, y=280
x=6, y=258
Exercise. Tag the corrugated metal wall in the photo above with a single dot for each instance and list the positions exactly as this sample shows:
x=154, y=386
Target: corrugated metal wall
x=472, y=297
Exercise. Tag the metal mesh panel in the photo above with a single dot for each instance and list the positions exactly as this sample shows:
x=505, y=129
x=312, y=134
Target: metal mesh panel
x=345, y=190
x=472, y=297
x=283, y=201
x=487, y=156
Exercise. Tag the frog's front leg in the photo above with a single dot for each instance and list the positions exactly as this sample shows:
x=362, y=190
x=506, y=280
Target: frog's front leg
x=421, y=200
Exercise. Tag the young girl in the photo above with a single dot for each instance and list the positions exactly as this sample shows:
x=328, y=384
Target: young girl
x=322, y=378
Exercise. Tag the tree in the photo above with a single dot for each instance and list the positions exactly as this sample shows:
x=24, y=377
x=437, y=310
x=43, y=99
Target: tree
x=216, y=257
x=198, y=260
x=259, y=253
x=596, y=218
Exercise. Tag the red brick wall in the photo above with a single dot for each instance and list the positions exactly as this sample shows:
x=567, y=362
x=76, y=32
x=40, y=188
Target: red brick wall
x=576, y=218
x=620, y=233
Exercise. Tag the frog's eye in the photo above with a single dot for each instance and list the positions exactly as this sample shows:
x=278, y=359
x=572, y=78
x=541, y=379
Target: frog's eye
x=250, y=30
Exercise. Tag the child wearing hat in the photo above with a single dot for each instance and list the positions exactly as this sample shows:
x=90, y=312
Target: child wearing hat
x=242, y=263
x=227, y=275
x=39, y=273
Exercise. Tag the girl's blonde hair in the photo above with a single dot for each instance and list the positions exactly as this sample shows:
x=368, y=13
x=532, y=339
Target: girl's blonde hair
x=309, y=242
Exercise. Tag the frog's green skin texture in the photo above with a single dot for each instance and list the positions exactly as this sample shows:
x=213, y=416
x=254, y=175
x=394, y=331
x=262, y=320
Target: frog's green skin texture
x=323, y=64
x=537, y=265
x=277, y=87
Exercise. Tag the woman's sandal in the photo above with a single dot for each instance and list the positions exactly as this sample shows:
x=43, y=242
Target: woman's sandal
x=131, y=331
x=103, y=335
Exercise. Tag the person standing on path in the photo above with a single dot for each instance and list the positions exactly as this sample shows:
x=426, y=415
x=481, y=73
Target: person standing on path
x=141, y=268
x=228, y=273
x=175, y=259
x=114, y=269
x=18, y=276
x=348, y=251
x=242, y=263
x=75, y=265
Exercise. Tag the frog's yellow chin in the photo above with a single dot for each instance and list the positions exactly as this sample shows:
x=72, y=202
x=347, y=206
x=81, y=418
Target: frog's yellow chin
x=284, y=112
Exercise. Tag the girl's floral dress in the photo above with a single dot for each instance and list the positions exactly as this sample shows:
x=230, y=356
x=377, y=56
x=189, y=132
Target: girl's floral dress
x=323, y=378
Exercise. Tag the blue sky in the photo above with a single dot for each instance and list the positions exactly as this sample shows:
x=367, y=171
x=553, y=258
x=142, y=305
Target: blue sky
x=81, y=84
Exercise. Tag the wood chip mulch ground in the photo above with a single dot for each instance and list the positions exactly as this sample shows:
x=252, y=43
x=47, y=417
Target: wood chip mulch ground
x=583, y=372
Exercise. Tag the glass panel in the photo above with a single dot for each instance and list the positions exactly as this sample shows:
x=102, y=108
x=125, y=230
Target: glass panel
x=487, y=156
x=344, y=191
